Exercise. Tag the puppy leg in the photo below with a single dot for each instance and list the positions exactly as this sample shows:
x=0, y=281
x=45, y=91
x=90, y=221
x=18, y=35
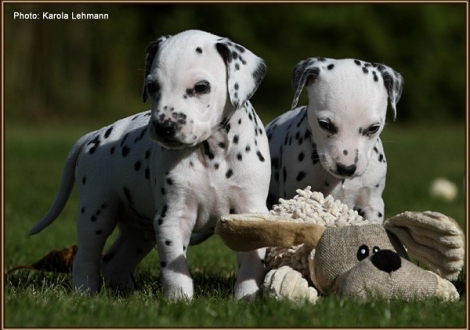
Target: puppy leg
x=250, y=274
x=172, y=243
x=119, y=262
x=92, y=234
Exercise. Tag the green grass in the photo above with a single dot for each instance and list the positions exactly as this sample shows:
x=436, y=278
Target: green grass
x=33, y=163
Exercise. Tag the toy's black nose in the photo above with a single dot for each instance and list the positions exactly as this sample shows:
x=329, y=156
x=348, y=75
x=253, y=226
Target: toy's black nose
x=345, y=170
x=386, y=260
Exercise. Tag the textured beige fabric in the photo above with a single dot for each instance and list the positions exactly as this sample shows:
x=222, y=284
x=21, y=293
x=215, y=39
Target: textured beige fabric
x=308, y=207
x=337, y=251
x=432, y=238
x=285, y=282
x=334, y=266
x=408, y=282
x=247, y=232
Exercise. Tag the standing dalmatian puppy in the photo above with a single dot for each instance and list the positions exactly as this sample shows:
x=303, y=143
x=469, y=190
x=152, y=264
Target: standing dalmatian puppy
x=333, y=143
x=199, y=153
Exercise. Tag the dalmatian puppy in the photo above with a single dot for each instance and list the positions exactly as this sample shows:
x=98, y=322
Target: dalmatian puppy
x=333, y=143
x=199, y=153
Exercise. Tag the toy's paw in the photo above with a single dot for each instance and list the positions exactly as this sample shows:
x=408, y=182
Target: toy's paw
x=432, y=238
x=446, y=290
x=287, y=283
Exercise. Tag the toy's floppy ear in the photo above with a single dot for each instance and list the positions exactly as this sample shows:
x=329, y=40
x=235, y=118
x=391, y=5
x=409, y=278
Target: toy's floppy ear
x=246, y=232
x=433, y=239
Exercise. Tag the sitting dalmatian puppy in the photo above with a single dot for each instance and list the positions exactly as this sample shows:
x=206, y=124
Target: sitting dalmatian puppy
x=199, y=153
x=333, y=143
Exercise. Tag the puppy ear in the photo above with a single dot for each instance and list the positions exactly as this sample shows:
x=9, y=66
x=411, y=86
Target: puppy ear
x=393, y=82
x=150, y=53
x=432, y=238
x=247, y=232
x=245, y=71
x=306, y=70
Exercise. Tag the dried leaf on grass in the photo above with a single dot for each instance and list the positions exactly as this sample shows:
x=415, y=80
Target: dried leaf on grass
x=59, y=261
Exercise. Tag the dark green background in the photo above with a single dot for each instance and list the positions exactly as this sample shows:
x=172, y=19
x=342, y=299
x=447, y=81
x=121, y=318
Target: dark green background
x=92, y=70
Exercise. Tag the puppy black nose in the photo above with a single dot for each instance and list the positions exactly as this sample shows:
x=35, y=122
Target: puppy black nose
x=345, y=170
x=165, y=129
x=386, y=260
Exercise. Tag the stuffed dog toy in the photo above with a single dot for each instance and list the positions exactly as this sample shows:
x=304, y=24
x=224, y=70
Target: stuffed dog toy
x=317, y=246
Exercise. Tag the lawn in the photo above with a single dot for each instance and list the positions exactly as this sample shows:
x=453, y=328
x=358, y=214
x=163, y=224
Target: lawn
x=34, y=158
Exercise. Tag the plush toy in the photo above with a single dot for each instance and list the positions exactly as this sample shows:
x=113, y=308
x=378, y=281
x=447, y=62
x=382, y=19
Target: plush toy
x=317, y=246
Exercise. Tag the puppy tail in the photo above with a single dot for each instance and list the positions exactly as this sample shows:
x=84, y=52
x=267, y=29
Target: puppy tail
x=66, y=186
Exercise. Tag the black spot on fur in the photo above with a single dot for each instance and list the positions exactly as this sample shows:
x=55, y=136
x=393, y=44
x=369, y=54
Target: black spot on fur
x=235, y=139
x=199, y=50
x=84, y=180
x=127, y=193
x=260, y=156
x=229, y=173
x=137, y=165
x=301, y=157
x=141, y=135
x=96, y=142
x=275, y=163
x=163, y=264
x=315, y=157
x=207, y=150
x=108, y=132
x=167, y=243
x=330, y=67
x=165, y=208
x=124, y=139
x=300, y=176
x=125, y=151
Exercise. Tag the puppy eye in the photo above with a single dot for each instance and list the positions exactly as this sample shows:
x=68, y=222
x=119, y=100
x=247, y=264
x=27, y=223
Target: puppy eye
x=375, y=249
x=328, y=126
x=362, y=252
x=152, y=87
x=202, y=87
x=371, y=130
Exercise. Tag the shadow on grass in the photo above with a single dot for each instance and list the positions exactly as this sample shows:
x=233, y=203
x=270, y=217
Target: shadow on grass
x=206, y=285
